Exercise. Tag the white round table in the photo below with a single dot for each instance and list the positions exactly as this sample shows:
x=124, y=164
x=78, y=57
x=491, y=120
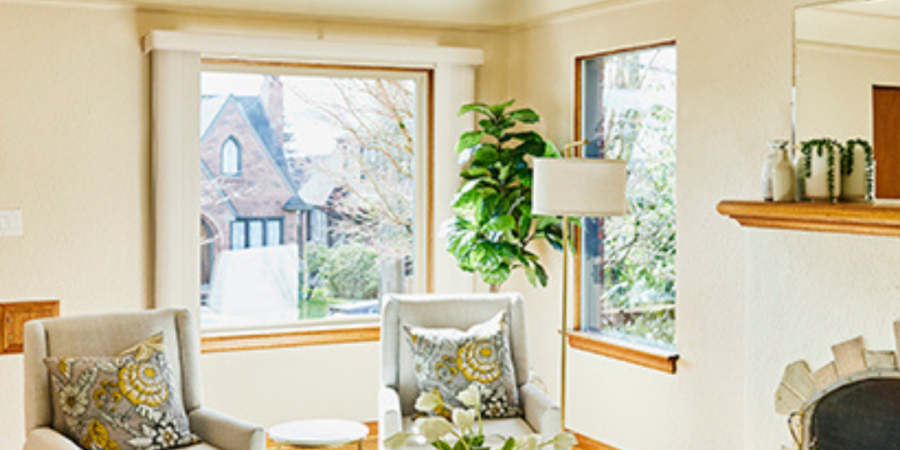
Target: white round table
x=319, y=433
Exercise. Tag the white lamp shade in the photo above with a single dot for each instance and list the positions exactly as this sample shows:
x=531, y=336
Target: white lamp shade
x=579, y=187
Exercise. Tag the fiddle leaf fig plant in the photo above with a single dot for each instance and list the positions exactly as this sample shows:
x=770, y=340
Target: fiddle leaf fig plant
x=494, y=225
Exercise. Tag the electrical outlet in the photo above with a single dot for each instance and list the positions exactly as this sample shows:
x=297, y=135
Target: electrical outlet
x=11, y=222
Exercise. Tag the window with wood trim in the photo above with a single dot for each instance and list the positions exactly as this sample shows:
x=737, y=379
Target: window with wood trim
x=323, y=219
x=627, y=264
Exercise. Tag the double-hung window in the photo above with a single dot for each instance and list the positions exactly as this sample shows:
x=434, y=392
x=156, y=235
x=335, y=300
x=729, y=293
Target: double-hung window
x=627, y=264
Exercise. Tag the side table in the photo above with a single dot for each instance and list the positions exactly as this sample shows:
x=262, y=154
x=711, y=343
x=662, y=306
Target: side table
x=318, y=433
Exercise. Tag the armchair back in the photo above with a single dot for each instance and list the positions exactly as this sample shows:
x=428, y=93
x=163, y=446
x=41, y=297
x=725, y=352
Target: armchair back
x=107, y=335
x=459, y=311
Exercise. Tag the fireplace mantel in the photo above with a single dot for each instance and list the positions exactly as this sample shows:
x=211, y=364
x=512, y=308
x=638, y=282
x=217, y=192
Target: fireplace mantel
x=881, y=218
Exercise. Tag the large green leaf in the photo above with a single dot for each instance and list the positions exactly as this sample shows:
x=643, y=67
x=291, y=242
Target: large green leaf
x=475, y=172
x=476, y=107
x=498, y=110
x=526, y=115
x=469, y=139
x=505, y=222
x=487, y=154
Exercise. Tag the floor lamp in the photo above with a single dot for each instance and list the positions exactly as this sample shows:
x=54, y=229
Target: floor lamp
x=576, y=187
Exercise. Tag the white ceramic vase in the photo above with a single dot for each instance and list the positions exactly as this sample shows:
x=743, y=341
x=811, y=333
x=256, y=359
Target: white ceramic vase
x=768, y=169
x=783, y=180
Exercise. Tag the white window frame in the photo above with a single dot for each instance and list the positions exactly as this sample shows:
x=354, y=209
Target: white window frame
x=176, y=67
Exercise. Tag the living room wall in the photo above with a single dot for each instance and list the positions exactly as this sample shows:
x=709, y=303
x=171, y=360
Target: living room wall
x=74, y=133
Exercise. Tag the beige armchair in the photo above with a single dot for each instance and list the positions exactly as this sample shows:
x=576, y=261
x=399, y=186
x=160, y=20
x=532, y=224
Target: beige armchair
x=398, y=384
x=107, y=335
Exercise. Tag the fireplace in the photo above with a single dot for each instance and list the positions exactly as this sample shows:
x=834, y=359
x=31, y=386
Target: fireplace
x=851, y=403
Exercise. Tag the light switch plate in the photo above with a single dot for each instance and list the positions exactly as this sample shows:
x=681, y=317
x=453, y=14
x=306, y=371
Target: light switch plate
x=11, y=222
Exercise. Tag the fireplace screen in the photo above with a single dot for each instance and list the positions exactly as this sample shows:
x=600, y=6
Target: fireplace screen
x=862, y=415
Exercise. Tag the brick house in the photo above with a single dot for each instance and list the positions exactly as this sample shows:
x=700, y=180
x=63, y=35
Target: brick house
x=249, y=197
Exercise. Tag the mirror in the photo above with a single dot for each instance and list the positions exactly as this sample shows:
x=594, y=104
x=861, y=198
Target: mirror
x=847, y=80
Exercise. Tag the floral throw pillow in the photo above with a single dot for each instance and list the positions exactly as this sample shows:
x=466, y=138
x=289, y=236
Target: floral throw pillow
x=446, y=361
x=128, y=402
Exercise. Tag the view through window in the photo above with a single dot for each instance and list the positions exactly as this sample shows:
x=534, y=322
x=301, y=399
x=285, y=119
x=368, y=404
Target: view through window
x=628, y=263
x=307, y=193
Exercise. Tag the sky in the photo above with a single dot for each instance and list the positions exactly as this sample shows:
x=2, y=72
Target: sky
x=312, y=135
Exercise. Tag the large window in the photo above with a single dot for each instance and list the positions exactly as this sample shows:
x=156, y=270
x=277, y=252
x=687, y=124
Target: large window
x=627, y=263
x=322, y=220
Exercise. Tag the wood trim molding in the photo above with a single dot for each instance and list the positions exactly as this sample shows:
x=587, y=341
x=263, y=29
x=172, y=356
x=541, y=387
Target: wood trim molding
x=586, y=443
x=13, y=316
x=288, y=339
x=879, y=219
x=635, y=354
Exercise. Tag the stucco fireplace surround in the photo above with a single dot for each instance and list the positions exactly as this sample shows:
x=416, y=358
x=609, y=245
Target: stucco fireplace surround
x=851, y=403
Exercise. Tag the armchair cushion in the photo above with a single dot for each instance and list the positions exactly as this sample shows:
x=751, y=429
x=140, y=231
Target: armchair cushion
x=120, y=403
x=447, y=361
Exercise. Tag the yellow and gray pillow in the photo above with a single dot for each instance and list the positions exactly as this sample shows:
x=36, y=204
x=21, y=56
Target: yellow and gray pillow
x=446, y=361
x=126, y=402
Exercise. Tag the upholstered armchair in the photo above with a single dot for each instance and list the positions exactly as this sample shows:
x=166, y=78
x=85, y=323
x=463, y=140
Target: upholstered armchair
x=107, y=335
x=398, y=383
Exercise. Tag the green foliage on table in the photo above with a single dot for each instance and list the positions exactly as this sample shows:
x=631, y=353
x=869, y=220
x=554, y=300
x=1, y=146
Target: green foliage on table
x=494, y=225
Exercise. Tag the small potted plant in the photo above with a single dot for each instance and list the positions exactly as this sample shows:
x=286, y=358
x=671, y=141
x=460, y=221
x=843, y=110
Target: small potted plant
x=818, y=169
x=466, y=431
x=857, y=171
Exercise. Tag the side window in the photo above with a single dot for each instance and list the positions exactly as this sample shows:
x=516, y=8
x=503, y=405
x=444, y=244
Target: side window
x=627, y=263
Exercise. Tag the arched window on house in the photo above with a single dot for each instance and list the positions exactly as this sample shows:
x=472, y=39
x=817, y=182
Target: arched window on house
x=231, y=158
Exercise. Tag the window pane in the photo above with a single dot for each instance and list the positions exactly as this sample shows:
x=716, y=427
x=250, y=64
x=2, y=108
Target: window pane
x=273, y=232
x=628, y=263
x=238, y=235
x=337, y=151
x=255, y=236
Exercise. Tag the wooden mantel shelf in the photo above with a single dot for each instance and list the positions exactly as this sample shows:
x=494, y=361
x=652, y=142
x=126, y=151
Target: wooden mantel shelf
x=879, y=218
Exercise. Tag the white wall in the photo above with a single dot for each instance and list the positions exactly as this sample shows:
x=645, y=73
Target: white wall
x=834, y=90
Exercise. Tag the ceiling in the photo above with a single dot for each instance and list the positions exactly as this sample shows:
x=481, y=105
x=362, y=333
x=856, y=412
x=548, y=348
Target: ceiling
x=450, y=12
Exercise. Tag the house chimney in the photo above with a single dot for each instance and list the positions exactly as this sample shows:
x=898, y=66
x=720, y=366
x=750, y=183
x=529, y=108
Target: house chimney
x=272, y=97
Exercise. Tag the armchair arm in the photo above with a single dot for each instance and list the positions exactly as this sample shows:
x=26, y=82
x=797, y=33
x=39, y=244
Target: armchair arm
x=540, y=412
x=390, y=415
x=44, y=438
x=225, y=432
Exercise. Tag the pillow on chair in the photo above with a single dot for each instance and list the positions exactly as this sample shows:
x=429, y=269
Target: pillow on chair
x=446, y=361
x=120, y=403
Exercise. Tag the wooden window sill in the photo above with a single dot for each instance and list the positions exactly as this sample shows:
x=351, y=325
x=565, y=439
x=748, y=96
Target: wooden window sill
x=881, y=218
x=288, y=339
x=631, y=353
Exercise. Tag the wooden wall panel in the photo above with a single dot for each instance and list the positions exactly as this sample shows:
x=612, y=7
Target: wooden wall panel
x=13, y=317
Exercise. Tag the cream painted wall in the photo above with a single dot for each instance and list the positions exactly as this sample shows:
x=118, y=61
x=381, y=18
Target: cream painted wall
x=834, y=89
x=74, y=122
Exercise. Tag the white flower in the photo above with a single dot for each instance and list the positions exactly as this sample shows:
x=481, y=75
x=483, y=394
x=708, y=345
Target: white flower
x=528, y=442
x=428, y=402
x=470, y=397
x=433, y=428
x=396, y=441
x=463, y=418
x=564, y=441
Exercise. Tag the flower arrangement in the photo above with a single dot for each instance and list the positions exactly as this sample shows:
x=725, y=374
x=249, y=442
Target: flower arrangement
x=467, y=430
